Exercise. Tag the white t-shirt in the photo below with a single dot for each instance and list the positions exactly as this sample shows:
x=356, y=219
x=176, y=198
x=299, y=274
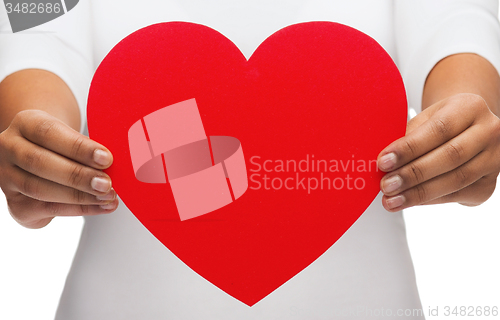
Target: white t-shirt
x=121, y=271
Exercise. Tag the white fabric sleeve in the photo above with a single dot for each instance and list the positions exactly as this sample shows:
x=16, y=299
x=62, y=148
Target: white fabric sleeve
x=61, y=46
x=427, y=31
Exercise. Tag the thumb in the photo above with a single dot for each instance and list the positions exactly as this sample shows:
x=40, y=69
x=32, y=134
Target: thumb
x=416, y=122
x=423, y=116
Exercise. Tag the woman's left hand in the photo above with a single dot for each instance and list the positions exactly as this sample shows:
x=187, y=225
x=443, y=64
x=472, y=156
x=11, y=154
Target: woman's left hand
x=450, y=153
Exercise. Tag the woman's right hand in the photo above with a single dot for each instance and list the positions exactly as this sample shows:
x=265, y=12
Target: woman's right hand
x=47, y=169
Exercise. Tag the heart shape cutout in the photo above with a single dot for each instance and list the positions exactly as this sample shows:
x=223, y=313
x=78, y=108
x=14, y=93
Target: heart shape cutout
x=312, y=108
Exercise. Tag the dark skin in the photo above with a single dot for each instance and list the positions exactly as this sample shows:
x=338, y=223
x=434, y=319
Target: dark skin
x=451, y=150
x=449, y=154
x=47, y=167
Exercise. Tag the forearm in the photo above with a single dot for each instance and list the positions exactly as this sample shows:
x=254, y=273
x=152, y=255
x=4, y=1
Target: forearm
x=37, y=89
x=463, y=73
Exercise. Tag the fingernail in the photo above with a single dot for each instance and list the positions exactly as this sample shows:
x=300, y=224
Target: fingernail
x=392, y=184
x=102, y=157
x=109, y=196
x=395, y=202
x=109, y=206
x=388, y=161
x=100, y=184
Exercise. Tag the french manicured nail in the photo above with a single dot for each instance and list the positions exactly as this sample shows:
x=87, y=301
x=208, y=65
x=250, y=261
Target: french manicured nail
x=109, y=206
x=100, y=184
x=392, y=184
x=107, y=197
x=102, y=157
x=388, y=161
x=396, y=201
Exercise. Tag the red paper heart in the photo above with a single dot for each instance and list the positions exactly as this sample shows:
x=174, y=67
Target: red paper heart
x=311, y=91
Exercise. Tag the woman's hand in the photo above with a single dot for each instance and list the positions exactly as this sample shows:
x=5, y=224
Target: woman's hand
x=451, y=153
x=48, y=169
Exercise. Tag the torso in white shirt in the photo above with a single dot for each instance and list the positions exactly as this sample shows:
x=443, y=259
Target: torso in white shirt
x=122, y=272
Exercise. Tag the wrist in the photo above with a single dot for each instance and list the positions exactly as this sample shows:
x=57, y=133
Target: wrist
x=40, y=90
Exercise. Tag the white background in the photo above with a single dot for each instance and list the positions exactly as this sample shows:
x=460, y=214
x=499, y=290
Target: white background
x=455, y=249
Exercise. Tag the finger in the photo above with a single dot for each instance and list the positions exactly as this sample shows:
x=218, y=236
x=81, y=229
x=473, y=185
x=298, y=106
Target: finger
x=50, y=133
x=438, y=129
x=472, y=195
x=48, y=191
x=447, y=157
x=36, y=214
x=69, y=210
x=444, y=184
x=54, y=167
